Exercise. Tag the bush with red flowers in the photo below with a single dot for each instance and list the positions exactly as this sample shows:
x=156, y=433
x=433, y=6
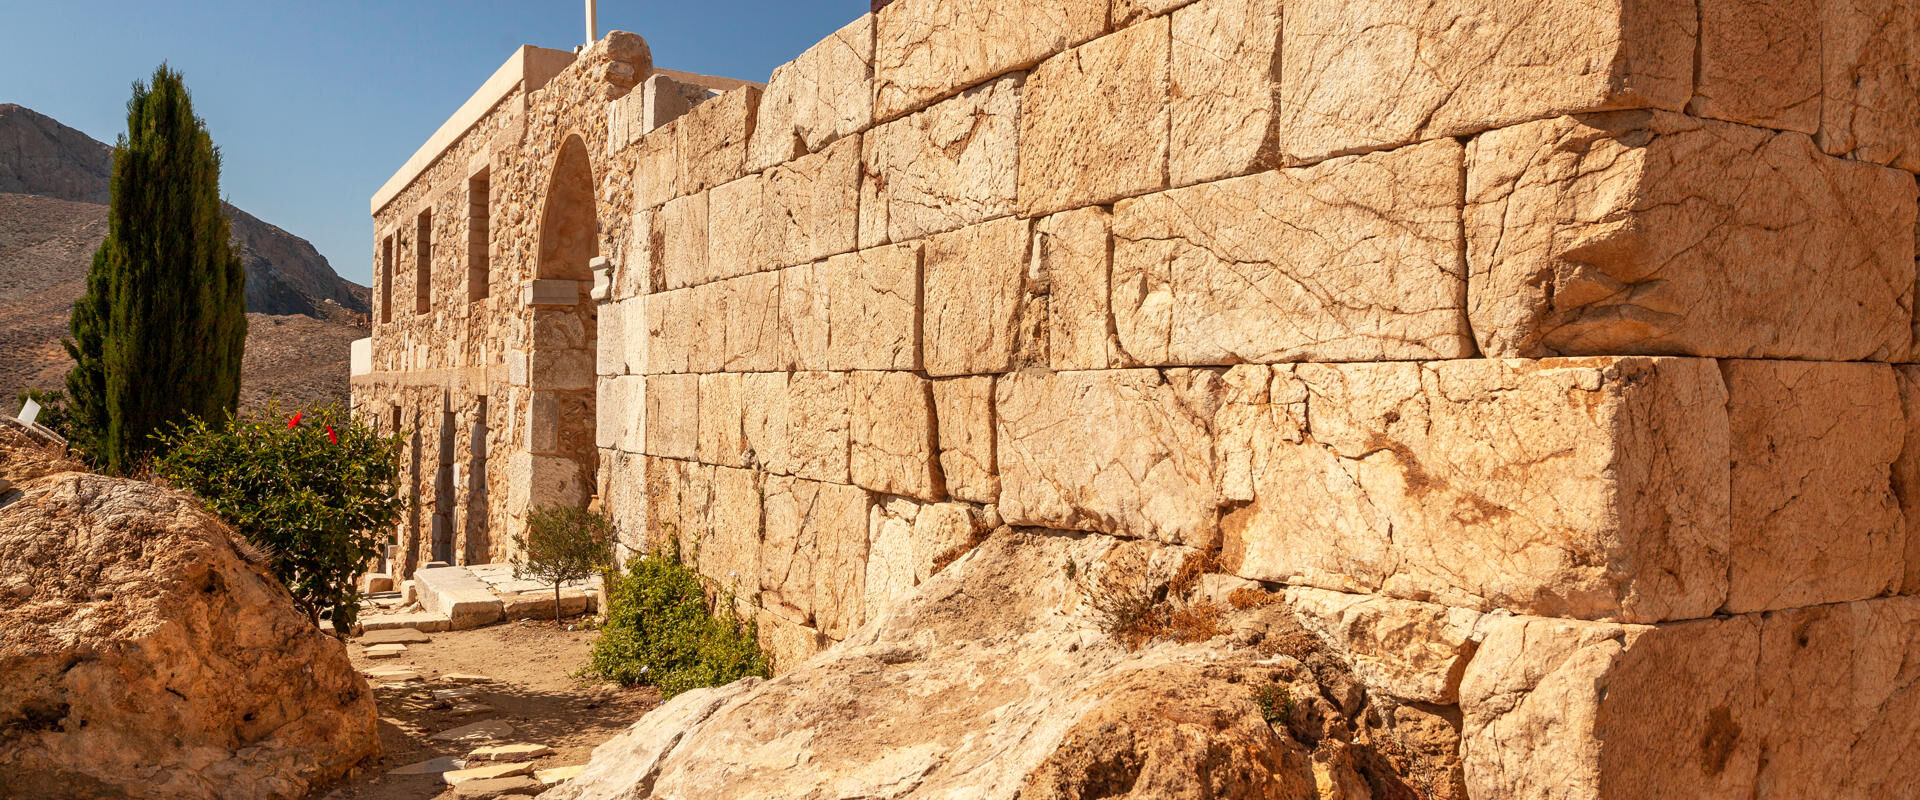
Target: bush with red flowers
x=317, y=491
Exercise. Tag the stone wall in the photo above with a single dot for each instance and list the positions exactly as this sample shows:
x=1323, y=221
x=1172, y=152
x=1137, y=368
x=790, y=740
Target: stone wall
x=1553, y=355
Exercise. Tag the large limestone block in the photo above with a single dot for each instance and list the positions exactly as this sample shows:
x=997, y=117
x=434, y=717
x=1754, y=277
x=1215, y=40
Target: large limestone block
x=635, y=333
x=1815, y=517
x=722, y=439
x=1906, y=477
x=764, y=421
x=673, y=416
x=803, y=317
x=951, y=165
x=873, y=311
x=786, y=643
x=927, y=49
x=713, y=139
x=1074, y=253
x=656, y=170
x=1093, y=122
x=982, y=311
x=963, y=408
x=1408, y=650
x=1760, y=63
x=1127, y=12
x=708, y=319
x=1382, y=73
x=813, y=205
x=663, y=480
x=737, y=237
x=1124, y=452
x=1225, y=90
x=669, y=331
x=1352, y=260
x=1648, y=232
x=819, y=418
x=893, y=435
x=1591, y=488
x=727, y=549
x=813, y=567
x=813, y=100
x=889, y=554
x=752, y=313
x=682, y=242
x=610, y=341
x=1870, y=106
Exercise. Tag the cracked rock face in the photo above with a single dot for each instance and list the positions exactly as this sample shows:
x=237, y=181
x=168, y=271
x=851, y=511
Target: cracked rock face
x=993, y=680
x=145, y=653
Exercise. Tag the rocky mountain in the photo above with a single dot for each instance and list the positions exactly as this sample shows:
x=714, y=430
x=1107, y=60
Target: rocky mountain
x=53, y=194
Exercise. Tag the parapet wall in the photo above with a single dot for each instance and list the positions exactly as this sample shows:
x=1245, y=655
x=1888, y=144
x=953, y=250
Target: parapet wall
x=1553, y=354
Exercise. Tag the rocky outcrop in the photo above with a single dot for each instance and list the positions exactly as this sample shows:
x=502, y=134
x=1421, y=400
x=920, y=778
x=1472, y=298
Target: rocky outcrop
x=1002, y=678
x=146, y=652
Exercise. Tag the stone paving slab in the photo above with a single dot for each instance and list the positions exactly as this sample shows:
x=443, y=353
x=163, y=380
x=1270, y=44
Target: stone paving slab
x=420, y=621
x=460, y=776
x=432, y=766
x=516, y=786
x=460, y=596
x=394, y=636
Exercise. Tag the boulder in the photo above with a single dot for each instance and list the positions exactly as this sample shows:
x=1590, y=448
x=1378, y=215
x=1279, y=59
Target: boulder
x=996, y=679
x=145, y=651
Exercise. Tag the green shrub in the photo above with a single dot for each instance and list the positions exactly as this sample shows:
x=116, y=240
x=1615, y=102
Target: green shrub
x=318, y=493
x=563, y=543
x=660, y=632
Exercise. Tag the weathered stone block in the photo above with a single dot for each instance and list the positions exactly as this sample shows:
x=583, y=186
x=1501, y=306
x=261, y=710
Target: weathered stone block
x=1353, y=260
x=927, y=49
x=738, y=226
x=682, y=242
x=664, y=480
x=1592, y=488
x=673, y=416
x=1125, y=452
x=1077, y=262
x=1870, y=106
x=874, y=308
x=610, y=342
x=820, y=97
x=713, y=139
x=964, y=410
x=813, y=205
x=606, y=424
x=889, y=554
x=803, y=317
x=786, y=642
x=634, y=334
x=1225, y=90
x=1127, y=12
x=1906, y=477
x=764, y=420
x=656, y=171
x=707, y=334
x=454, y=592
x=893, y=435
x=951, y=165
x=1408, y=650
x=1093, y=122
x=728, y=546
x=1815, y=517
x=813, y=566
x=669, y=331
x=982, y=313
x=819, y=408
x=752, y=309
x=1383, y=73
x=1760, y=63
x=1648, y=232
x=722, y=439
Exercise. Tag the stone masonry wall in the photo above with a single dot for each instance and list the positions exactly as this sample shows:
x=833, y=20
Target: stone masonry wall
x=1554, y=356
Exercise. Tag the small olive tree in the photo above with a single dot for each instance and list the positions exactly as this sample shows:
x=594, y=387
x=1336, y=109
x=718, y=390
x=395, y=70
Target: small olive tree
x=317, y=492
x=561, y=544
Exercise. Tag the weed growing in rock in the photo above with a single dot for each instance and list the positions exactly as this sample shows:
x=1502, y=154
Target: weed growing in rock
x=660, y=631
x=1275, y=703
x=317, y=494
x=563, y=543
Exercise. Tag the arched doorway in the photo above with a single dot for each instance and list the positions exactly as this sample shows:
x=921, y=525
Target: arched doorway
x=569, y=227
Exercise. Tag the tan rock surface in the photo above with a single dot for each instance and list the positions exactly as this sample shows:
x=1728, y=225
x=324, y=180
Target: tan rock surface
x=926, y=49
x=1906, y=478
x=963, y=408
x=763, y=421
x=738, y=226
x=656, y=171
x=1383, y=73
x=811, y=528
x=1411, y=651
x=893, y=436
x=713, y=139
x=1592, y=488
x=954, y=164
x=873, y=311
x=751, y=304
x=669, y=332
x=673, y=416
x=1093, y=122
x=1654, y=233
x=1126, y=452
x=821, y=96
x=812, y=206
x=819, y=420
x=1815, y=519
x=1356, y=259
x=727, y=546
x=148, y=653
x=1760, y=63
x=981, y=313
x=720, y=432
x=1870, y=107
x=1224, y=85
x=1073, y=248
x=682, y=245
x=803, y=317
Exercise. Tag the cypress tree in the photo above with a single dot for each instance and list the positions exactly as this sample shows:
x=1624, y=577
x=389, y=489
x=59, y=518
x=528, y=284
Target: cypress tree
x=158, y=337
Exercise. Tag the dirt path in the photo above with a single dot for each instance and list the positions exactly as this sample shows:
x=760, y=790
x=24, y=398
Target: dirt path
x=531, y=665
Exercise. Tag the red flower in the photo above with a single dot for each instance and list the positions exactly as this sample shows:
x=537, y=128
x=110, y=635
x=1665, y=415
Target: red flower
x=331, y=436
x=295, y=422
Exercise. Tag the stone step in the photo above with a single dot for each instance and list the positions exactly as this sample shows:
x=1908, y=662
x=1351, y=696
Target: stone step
x=394, y=636
x=460, y=776
x=457, y=594
x=424, y=621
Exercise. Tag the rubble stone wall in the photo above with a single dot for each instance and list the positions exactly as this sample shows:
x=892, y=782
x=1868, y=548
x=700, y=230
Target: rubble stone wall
x=1554, y=355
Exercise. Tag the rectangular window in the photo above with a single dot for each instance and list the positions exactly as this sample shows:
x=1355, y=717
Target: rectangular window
x=386, y=279
x=479, y=237
x=423, y=263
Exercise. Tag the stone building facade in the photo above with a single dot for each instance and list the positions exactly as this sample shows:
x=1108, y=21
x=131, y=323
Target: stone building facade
x=1558, y=357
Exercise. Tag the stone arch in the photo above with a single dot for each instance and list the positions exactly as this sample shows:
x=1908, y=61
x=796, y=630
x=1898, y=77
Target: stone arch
x=569, y=225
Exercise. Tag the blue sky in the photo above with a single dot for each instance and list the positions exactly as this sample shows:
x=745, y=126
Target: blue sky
x=316, y=104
